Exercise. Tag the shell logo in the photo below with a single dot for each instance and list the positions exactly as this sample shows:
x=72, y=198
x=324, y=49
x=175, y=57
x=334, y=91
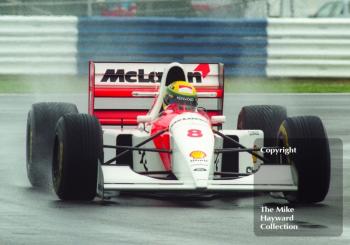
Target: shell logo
x=197, y=154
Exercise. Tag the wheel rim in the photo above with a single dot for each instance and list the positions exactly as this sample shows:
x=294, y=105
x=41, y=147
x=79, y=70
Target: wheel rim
x=283, y=141
x=29, y=148
x=57, y=163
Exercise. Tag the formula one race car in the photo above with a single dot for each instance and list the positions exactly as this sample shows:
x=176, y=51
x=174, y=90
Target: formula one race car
x=179, y=148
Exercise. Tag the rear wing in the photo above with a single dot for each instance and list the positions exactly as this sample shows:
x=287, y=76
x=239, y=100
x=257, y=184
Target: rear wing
x=119, y=92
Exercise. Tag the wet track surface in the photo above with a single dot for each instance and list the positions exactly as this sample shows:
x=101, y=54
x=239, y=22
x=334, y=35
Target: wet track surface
x=28, y=216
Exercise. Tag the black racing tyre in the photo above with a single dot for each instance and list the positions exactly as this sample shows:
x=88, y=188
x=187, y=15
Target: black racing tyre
x=311, y=162
x=78, y=147
x=267, y=118
x=41, y=123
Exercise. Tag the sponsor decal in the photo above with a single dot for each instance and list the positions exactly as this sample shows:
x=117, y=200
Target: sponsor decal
x=182, y=98
x=200, y=169
x=249, y=170
x=188, y=118
x=198, y=154
x=199, y=165
x=204, y=69
x=143, y=160
x=199, y=161
x=251, y=133
x=139, y=76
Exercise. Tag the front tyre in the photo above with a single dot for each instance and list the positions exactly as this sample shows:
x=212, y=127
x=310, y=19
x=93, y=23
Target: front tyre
x=267, y=118
x=77, y=149
x=41, y=122
x=311, y=162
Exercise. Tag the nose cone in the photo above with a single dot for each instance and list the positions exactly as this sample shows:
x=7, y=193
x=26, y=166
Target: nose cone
x=193, y=146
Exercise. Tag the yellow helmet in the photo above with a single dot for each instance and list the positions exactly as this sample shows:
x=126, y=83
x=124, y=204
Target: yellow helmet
x=180, y=92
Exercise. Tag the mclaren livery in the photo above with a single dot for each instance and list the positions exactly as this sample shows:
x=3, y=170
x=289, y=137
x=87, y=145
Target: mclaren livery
x=129, y=141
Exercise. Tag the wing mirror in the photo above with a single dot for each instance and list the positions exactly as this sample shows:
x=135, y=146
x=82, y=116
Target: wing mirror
x=144, y=119
x=218, y=119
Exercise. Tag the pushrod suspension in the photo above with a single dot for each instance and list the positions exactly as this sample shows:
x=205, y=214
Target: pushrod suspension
x=239, y=145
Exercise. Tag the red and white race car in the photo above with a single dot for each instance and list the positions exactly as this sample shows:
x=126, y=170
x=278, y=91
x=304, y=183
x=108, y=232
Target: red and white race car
x=122, y=145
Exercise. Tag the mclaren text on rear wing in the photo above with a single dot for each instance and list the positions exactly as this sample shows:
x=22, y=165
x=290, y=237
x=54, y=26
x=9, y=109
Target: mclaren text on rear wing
x=119, y=92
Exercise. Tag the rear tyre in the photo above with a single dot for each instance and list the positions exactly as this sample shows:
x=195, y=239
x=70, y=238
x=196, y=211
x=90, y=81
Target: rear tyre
x=311, y=162
x=77, y=149
x=41, y=122
x=267, y=118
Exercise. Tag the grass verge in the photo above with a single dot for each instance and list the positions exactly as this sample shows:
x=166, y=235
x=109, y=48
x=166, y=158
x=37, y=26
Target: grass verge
x=285, y=85
x=43, y=84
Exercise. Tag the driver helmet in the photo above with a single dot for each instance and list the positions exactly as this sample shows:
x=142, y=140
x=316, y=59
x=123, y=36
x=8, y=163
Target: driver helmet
x=180, y=93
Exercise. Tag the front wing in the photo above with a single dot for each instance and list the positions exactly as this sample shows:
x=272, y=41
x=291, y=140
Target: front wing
x=267, y=178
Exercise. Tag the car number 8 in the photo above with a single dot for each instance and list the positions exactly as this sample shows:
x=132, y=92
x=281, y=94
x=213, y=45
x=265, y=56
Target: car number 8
x=194, y=133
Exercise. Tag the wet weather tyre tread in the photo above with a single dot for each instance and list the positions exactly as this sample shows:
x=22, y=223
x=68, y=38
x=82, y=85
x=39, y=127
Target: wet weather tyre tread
x=41, y=123
x=312, y=160
x=267, y=118
x=78, y=146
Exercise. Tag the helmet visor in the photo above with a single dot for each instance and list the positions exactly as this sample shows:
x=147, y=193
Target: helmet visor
x=181, y=100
